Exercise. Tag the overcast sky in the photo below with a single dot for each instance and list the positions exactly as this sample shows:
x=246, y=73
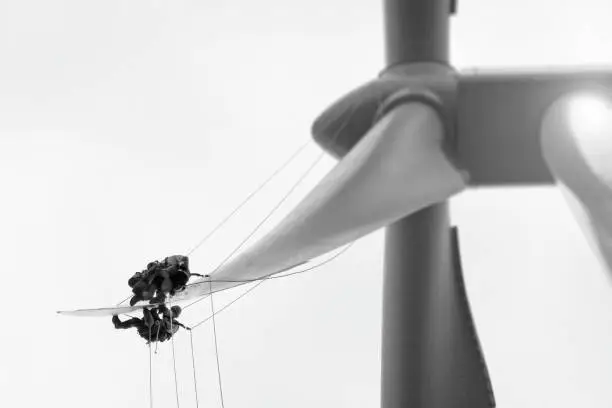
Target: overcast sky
x=128, y=129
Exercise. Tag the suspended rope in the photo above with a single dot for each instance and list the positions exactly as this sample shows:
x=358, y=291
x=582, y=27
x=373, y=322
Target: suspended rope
x=229, y=304
x=270, y=213
x=258, y=189
x=262, y=280
x=249, y=197
x=124, y=300
x=285, y=275
x=195, y=379
x=259, y=225
x=284, y=198
x=214, y=313
x=252, y=194
x=150, y=372
x=212, y=309
x=157, y=337
x=173, y=355
x=242, y=204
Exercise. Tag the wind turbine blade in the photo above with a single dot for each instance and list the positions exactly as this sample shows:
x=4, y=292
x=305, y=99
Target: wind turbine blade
x=584, y=221
x=580, y=158
x=102, y=311
x=200, y=289
x=397, y=169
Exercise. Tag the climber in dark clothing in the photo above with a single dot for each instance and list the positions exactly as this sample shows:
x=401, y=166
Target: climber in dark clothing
x=160, y=279
x=169, y=323
x=181, y=274
x=148, y=327
x=142, y=283
x=133, y=322
x=139, y=276
x=171, y=276
x=151, y=327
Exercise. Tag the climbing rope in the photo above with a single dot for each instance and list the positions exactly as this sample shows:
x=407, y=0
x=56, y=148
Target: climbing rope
x=245, y=201
x=123, y=301
x=212, y=308
x=195, y=378
x=284, y=198
x=229, y=304
x=259, y=188
x=260, y=224
x=212, y=317
x=150, y=372
x=270, y=213
x=171, y=314
x=157, y=336
x=214, y=313
x=248, y=198
x=232, y=253
x=284, y=275
x=262, y=280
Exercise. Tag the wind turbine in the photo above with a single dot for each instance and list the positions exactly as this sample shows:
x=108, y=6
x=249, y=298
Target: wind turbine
x=500, y=128
x=408, y=141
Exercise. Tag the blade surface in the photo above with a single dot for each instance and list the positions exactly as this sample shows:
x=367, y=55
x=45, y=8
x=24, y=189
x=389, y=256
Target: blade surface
x=102, y=311
x=396, y=169
x=581, y=160
x=198, y=289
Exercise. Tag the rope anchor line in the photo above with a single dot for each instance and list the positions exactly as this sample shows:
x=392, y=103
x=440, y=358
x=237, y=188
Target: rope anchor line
x=244, y=202
x=173, y=355
x=212, y=310
x=261, y=280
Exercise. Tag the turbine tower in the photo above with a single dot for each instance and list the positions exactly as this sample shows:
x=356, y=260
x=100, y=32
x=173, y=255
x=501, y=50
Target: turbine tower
x=493, y=125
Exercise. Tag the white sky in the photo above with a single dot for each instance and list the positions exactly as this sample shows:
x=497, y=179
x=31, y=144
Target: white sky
x=128, y=129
